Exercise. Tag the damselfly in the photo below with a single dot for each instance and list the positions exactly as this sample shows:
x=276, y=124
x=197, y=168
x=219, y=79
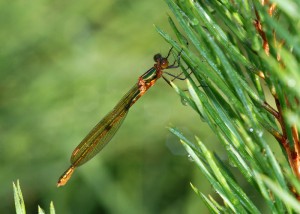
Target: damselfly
x=102, y=133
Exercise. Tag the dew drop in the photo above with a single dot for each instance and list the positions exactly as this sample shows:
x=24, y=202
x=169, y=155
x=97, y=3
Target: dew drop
x=260, y=133
x=184, y=101
x=190, y=158
x=232, y=162
x=291, y=83
x=194, y=21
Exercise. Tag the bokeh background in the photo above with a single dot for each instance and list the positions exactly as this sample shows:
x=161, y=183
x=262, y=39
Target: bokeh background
x=63, y=66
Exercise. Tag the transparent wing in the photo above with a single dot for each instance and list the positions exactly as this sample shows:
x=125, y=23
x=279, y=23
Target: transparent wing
x=102, y=133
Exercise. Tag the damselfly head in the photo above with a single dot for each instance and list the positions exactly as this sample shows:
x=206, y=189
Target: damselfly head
x=157, y=57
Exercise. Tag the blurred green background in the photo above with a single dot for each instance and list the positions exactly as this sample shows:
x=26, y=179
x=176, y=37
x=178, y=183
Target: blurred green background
x=64, y=65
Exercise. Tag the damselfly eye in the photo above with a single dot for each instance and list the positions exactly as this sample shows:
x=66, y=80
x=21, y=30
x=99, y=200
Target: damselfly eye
x=157, y=57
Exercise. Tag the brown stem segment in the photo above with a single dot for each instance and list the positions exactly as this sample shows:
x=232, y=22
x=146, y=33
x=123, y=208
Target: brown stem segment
x=292, y=149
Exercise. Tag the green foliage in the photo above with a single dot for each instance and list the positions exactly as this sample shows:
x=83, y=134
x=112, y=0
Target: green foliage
x=19, y=201
x=18, y=197
x=232, y=58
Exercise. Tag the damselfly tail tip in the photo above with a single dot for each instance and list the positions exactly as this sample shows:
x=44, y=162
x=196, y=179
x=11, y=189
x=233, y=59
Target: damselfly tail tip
x=66, y=176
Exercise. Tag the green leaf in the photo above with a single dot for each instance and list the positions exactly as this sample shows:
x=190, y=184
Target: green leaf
x=19, y=201
x=40, y=210
x=239, y=79
x=285, y=196
x=52, y=209
x=18, y=197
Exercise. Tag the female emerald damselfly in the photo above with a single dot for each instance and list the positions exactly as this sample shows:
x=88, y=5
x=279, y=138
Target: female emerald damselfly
x=102, y=133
